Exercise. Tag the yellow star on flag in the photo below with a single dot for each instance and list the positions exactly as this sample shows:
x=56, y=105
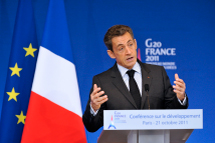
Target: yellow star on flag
x=29, y=50
x=12, y=95
x=21, y=118
x=15, y=70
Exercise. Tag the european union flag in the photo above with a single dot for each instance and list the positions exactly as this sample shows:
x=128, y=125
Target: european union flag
x=20, y=74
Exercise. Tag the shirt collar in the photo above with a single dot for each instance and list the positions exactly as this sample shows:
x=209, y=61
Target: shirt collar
x=123, y=70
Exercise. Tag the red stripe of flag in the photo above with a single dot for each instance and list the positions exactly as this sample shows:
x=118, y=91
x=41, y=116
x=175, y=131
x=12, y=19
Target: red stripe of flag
x=51, y=122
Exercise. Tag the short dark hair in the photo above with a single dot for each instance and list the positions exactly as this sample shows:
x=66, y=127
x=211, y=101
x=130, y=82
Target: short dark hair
x=114, y=31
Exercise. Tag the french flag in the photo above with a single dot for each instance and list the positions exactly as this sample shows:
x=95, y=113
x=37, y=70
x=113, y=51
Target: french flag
x=54, y=111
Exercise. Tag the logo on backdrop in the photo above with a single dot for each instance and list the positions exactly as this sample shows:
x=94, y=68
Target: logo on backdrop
x=154, y=51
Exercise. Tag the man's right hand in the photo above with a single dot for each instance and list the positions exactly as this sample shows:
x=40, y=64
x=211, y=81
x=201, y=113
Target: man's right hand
x=96, y=99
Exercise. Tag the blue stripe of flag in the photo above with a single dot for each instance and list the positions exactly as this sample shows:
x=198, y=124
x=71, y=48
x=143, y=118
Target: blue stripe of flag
x=56, y=34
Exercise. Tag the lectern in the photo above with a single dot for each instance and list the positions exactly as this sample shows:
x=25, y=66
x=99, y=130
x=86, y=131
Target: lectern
x=150, y=126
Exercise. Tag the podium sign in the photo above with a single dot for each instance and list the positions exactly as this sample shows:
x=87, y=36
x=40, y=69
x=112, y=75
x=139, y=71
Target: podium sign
x=150, y=126
x=153, y=119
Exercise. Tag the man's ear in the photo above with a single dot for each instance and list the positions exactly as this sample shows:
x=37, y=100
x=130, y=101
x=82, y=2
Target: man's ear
x=111, y=54
x=135, y=42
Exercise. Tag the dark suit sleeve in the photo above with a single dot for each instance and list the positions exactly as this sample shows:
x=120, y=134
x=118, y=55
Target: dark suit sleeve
x=91, y=122
x=171, y=100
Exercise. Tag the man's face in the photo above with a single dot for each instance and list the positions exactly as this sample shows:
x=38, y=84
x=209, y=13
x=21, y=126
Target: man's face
x=124, y=50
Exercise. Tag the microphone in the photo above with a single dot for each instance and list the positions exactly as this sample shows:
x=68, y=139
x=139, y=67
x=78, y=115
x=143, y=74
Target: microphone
x=147, y=91
x=146, y=87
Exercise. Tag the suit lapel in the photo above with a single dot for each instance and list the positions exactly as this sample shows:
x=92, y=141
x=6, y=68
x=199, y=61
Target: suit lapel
x=120, y=85
x=146, y=79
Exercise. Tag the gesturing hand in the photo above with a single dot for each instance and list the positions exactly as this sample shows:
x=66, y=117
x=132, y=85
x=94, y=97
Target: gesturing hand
x=96, y=99
x=179, y=87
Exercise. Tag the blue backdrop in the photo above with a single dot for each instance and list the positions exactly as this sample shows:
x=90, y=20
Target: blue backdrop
x=186, y=27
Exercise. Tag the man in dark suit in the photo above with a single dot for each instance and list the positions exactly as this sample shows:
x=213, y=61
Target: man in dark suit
x=113, y=90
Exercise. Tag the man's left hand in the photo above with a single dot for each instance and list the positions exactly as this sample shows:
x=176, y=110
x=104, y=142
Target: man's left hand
x=179, y=87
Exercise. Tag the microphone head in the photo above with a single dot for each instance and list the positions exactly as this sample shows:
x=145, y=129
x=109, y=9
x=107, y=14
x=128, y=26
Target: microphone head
x=146, y=87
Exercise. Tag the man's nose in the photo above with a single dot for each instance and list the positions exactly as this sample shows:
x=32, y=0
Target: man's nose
x=128, y=50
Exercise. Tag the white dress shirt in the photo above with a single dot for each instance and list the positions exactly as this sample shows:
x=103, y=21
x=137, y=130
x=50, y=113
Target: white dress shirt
x=137, y=76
